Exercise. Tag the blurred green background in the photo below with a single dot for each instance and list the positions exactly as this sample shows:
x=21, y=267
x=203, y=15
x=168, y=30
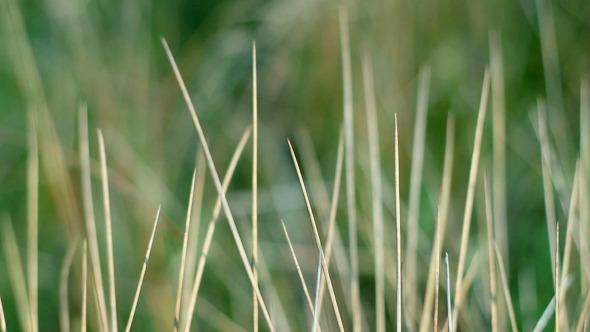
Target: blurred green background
x=57, y=55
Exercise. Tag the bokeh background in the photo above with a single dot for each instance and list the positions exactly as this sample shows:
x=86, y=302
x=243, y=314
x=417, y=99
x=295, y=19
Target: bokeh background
x=58, y=56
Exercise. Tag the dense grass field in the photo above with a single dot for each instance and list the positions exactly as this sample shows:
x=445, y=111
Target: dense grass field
x=294, y=165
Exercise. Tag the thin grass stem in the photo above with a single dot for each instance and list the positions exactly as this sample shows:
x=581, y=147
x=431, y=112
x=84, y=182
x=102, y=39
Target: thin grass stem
x=471, y=188
x=142, y=274
x=187, y=225
x=108, y=231
x=217, y=183
x=211, y=230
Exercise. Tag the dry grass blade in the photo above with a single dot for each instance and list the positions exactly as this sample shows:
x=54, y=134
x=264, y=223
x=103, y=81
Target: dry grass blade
x=468, y=280
x=471, y=187
x=547, y=186
x=491, y=258
x=299, y=273
x=398, y=233
x=64, y=274
x=84, y=313
x=317, y=238
x=584, y=209
x=550, y=55
x=506, y=289
x=549, y=310
x=142, y=275
x=211, y=230
x=583, y=314
x=254, y=182
x=33, y=220
x=183, y=256
x=316, y=322
x=2, y=317
x=499, y=142
x=16, y=274
x=350, y=184
x=567, y=251
x=449, y=308
x=108, y=231
x=332, y=217
x=415, y=185
x=437, y=268
x=373, y=132
x=557, y=297
x=444, y=200
x=217, y=183
x=194, y=231
x=89, y=216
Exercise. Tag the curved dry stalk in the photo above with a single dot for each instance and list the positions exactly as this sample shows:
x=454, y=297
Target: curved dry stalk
x=211, y=230
x=415, y=185
x=507, y=296
x=317, y=295
x=16, y=274
x=567, y=251
x=350, y=184
x=556, y=280
x=583, y=314
x=547, y=184
x=491, y=258
x=64, y=274
x=217, y=182
x=550, y=56
x=2, y=318
x=142, y=274
x=33, y=220
x=187, y=225
x=373, y=133
x=471, y=187
x=332, y=216
x=444, y=201
x=549, y=310
x=254, y=183
x=436, y=283
x=499, y=141
x=449, y=308
x=299, y=273
x=84, y=313
x=108, y=230
x=398, y=233
x=89, y=217
x=469, y=277
x=584, y=205
x=316, y=237
x=194, y=232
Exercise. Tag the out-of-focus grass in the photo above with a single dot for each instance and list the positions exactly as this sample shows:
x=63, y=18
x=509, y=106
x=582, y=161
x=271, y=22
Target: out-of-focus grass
x=107, y=55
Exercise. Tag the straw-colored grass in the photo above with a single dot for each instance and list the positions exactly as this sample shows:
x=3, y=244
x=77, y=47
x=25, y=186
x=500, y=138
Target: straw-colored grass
x=108, y=232
x=377, y=196
x=142, y=274
x=218, y=186
x=89, y=219
x=471, y=192
x=491, y=257
x=187, y=225
x=254, y=182
x=33, y=221
x=211, y=230
x=317, y=240
x=380, y=260
x=349, y=169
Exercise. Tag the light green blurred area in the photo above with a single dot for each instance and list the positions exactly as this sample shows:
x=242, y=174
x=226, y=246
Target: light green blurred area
x=106, y=56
